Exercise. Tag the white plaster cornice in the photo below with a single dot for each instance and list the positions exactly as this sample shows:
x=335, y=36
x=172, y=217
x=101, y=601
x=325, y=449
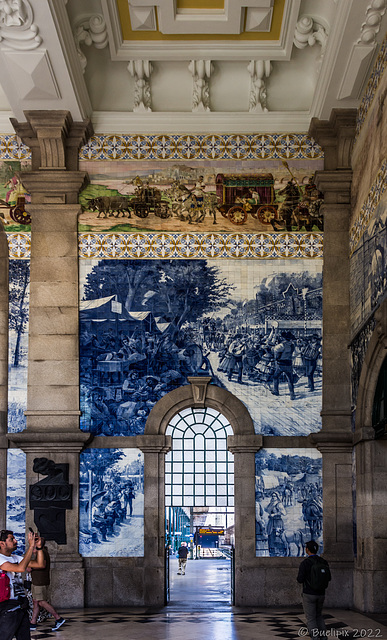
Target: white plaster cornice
x=200, y=123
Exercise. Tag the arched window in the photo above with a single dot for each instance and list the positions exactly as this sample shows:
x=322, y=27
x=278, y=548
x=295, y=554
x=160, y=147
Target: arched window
x=199, y=471
x=379, y=408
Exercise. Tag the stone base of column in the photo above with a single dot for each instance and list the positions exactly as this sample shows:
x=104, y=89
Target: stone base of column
x=370, y=591
x=68, y=582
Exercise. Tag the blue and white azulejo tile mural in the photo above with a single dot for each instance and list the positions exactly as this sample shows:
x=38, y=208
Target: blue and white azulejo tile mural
x=16, y=496
x=288, y=501
x=254, y=327
x=19, y=282
x=111, y=499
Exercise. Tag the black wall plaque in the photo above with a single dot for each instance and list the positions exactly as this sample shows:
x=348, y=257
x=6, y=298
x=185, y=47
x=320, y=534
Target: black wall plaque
x=49, y=499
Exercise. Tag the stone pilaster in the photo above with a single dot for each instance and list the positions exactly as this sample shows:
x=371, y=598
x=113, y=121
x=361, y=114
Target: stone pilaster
x=53, y=361
x=336, y=137
x=370, y=576
x=244, y=448
x=154, y=448
x=3, y=372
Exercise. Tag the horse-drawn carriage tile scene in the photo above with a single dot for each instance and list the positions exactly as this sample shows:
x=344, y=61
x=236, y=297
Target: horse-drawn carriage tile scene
x=198, y=266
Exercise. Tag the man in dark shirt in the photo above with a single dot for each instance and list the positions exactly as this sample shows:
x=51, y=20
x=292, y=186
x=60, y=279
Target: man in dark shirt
x=182, y=554
x=312, y=600
x=40, y=583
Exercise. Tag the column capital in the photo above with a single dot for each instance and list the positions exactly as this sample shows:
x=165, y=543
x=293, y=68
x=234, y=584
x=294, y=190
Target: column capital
x=54, y=442
x=53, y=187
x=53, y=137
x=336, y=137
x=245, y=443
x=335, y=185
x=154, y=444
x=332, y=441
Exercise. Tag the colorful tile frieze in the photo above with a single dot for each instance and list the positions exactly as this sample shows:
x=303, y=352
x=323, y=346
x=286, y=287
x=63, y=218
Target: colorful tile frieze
x=369, y=207
x=372, y=86
x=196, y=245
x=166, y=245
x=19, y=245
x=200, y=147
x=182, y=147
x=11, y=148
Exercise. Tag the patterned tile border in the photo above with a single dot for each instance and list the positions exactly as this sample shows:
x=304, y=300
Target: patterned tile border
x=201, y=147
x=366, y=212
x=372, y=86
x=205, y=245
x=187, y=147
x=19, y=245
x=184, y=245
x=12, y=149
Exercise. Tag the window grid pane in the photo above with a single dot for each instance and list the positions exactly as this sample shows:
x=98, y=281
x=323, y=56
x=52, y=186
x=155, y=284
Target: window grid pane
x=200, y=448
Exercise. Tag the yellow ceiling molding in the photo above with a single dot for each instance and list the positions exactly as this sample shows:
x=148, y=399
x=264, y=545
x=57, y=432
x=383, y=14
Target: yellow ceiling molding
x=163, y=17
x=183, y=5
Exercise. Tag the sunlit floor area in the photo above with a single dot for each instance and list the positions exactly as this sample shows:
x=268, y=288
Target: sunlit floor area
x=200, y=608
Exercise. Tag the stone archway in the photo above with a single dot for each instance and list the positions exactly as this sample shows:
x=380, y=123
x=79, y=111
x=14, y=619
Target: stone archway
x=370, y=575
x=199, y=393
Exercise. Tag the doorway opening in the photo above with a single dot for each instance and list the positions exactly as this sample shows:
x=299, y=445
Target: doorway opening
x=199, y=499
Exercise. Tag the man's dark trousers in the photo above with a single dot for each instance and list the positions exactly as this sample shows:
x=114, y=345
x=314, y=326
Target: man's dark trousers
x=14, y=623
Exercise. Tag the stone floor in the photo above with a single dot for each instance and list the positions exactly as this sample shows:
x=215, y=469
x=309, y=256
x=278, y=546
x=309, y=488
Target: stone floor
x=200, y=608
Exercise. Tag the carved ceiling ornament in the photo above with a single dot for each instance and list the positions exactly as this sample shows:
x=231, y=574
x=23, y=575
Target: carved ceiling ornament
x=201, y=71
x=259, y=70
x=141, y=71
x=91, y=31
x=17, y=30
x=371, y=27
x=308, y=33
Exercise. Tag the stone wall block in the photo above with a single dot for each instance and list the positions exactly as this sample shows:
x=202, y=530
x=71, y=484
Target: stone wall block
x=48, y=347
x=51, y=294
x=128, y=587
x=54, y=270
x=54, y=372
x=48, y=219
x=59, y=397
x=54, y=245
x=67, y=587
x=99, y=586
x=54, y=321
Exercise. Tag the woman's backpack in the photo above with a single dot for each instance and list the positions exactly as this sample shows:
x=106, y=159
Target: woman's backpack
x=5, y=586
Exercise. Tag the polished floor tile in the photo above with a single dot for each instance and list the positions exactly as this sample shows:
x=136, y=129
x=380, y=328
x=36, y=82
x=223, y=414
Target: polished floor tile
x=200, y=608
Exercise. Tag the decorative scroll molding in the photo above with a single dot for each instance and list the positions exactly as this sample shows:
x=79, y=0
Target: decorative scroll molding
x=201, y=72
x=17, y=29
x=308, y=33
x=90, y=31
x=141, y=71
x=259, y=70
x=371, y=26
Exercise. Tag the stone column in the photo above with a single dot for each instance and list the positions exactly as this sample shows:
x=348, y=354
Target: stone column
x=244, y=448
x=154, y=448
x=3, y=372
x=336, y=137
x=53, y=363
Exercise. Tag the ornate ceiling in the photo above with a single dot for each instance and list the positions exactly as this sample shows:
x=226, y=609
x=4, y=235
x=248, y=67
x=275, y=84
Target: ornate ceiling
x=187, y=65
